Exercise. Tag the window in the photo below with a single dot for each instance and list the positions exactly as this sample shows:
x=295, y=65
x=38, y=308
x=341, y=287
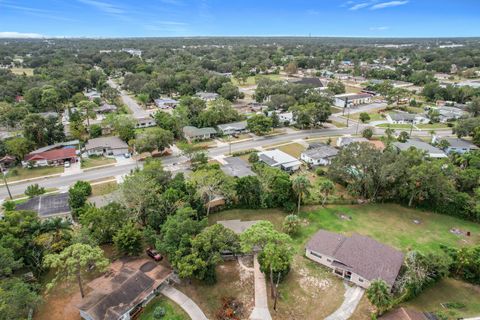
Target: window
x=316, y=254
x=360, y=279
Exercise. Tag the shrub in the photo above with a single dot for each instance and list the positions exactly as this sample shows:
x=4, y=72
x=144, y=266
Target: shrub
x=253, y=157
x=319, y=172
x=34, y=190
x=291, y=224
x=367, y=133
x=159, y=313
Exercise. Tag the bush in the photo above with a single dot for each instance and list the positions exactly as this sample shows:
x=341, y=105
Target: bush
x=159, y=313
x=128, y=240
x=253, y=157
x=320, y=172
x=291, y=224
x=78, y=194
x=367, y=133
x=34, y=190
x=95, y=131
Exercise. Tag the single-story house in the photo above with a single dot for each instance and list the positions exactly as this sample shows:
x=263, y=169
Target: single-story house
x=6, y=162
x=450, y=113
x=47, y=206
x=59, y=145
x=237, y=167
x=354, y=99
x=207, y=96
x=407, y=314
x=48, y=114
x=166, y=103
x=192, y=133
x=456, y=145
x=106, y=108
x=406, y=118
x=106, y=146
x=145, y=122
x=279, y=159
x=123, y=292
x=320, y=155
x=92, y=94
x=51, y=157
x=358, y=259
x=286, y=117
x=345, y=141
x=232, y=128
x=432, y=152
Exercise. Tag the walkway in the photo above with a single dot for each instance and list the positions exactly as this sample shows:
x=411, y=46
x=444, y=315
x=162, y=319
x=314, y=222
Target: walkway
x=260, y=311
x=352, y=295
x=184, y=302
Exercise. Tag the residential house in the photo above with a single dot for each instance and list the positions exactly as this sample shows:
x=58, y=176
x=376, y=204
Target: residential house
x=237, y=167
x=50, y=158
x=6, y=162
x=313, y=82
x=450, y=113
x=319, y=155
x=106, y=146
x=92, y=94
x=49, y=114
x=345, y=141
x=358, y=259
x=59, y=145
x=133, y=52
x=47, y=206
x=106, y=108
x=406, y=118
x=279, y=159
x=232, y=128
x=456, y=145
x=145, y=122
x=354, y=99
x=166, y=103
x=286, y=118
x=192, y=133
x=207, y=96
x=407, y=314
x=431, y=151
x=124, y=291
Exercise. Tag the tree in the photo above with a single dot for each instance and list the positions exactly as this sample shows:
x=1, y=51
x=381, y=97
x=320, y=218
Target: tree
x=128, y=240
x=474, y=106
x=403, y=136
x=259, y=124
x=291, y=68
x=326, y=187
x=364, y=117
x=378, y=293
x=291, y=224
x=301, y=186
x=88, y=108
x=103, y=223
x=143, y=98
x=367, y=133
x=124, y=126
x=8, y=262
x=249, y=192
x=18, y=147
x=154, y=139
x=74, y=262
x=95, y=130
x=78, y=194
x=337, y=87
x=17, y=299
x=34, y=190
x=110, y=94
x=253, y=157
x=229, y=91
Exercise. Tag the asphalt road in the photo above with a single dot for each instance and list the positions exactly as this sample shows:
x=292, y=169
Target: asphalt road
x=137, y=111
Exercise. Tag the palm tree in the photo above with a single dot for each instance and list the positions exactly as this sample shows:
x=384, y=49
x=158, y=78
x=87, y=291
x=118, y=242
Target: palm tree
x=326, y=187
x=301, y=186
x=379, y=295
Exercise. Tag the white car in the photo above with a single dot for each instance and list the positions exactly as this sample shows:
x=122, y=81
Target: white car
x=66, y=164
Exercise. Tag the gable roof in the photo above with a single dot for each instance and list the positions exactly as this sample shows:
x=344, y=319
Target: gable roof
x=321, y=152
x=402, y=116
x=52, y=155
x=191, y=131
x=106, y=142
x=362, y=255
x=239, y=125
x=420, y=145
x=277, y=157
x=460, y=143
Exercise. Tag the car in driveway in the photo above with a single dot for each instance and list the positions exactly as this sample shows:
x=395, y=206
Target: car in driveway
x=66, y=164
x=152, y=253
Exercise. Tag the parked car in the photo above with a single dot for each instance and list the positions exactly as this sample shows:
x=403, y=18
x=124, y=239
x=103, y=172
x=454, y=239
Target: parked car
x=152, y=253
x=127, y=155
x=66, y=164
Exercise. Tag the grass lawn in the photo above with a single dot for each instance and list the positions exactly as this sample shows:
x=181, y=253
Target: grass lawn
x=252, y=80
x=433, y=126
x=449, y=291
x=104, y=188
x=21, y=71
x=92, y=162
x=394, y=126
x=20, y=173
x=374, y=116
x=339, y=124
x=293, y=149
x=173, y=311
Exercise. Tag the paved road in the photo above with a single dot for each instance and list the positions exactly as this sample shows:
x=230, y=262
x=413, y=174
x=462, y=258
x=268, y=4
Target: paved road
x=184, y=302
x=137, y=111
x=352, y=295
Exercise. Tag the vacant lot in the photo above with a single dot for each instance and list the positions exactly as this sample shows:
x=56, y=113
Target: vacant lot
x=252, y=80
x=104, y=188
x=21, y=71
x=20, y=173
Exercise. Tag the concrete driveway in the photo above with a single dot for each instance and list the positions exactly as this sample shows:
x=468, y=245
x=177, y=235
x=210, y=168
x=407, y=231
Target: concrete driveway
x=352, y=295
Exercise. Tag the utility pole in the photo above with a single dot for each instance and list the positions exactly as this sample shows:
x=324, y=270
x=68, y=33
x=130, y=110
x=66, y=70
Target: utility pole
x=411, y=128
x=348, y=111
x=2, y=169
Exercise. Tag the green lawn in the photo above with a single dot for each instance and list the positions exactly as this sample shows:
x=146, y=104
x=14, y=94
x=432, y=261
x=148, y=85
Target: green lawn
x=394, y=126
x=293, y=149
x=104, y=188
x=374, y=116
x=433, y=126
x=173, y=311
x=252, y=80
x=92, y=162
x=19, y=173
x=449, y=291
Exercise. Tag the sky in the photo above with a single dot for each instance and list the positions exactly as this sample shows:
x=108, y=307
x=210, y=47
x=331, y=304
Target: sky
x=170, y=18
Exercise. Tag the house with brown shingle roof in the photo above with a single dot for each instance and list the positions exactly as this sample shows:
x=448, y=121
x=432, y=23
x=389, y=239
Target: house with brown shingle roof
x=358, y=259
x=406, y=314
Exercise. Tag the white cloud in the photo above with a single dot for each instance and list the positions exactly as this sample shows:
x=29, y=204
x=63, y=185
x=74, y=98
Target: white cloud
x=379, y=28
x=389, y=4
x=14, y=34
x=359, y=6
x=104, y=6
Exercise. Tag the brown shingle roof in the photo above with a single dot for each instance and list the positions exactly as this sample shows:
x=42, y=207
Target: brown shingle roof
x=404, y=314
x=363, y=255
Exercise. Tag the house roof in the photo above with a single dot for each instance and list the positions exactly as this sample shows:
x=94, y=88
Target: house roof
x=207, y=95
x=362, y=255
x=52, y=155
x=402, y=116
x=321, y=152
x=106, y=142
x=106, y=108
x=460, y=143
x=191, y=131
x=404, y=314
x=420, y=145
x=127, y=284
x=168, y=101
x=47, y=205
x=240, y=125
x=351, y=96
x=237, y=167
x=277, y=157
x=344, y=141
x=56, y=146
x=237, y=226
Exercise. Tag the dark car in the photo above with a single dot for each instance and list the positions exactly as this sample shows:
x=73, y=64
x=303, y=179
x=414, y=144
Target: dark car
x=152, y=253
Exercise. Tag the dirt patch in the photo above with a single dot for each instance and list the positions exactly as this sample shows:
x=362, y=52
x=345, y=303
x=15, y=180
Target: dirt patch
x=60, y=304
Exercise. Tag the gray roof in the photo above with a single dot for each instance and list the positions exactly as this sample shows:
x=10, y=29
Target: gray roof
x=315, y=82
x=207, y=95
x=348, y=140
x=191, y=131
x=460, y=143
x=47, y=205
x=402, y=116
x=107, y=143
x=277, y=157
x=240, y=125
x=353, y=96
x=363, y=255
x=420, y=145
x=106, y=108
x=321, y=152
x=237, y=167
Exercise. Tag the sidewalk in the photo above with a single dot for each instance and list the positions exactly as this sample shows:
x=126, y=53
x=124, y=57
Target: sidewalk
x=184, y=302
x=260, y=311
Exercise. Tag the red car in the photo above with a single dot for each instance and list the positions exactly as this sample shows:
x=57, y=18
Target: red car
x=152, y=253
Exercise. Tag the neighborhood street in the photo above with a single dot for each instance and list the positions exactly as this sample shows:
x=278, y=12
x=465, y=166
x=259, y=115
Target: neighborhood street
x=137, y=111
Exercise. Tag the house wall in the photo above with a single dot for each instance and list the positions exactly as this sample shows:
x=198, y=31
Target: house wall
x=457, y=150
x=315, y=162
x=109, y=152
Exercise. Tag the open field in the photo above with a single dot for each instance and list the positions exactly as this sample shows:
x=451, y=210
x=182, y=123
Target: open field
x=104, y=188
x=19, y=173
x=92, y=162
x=21, y=71
x=252, y=80
x=173, y=311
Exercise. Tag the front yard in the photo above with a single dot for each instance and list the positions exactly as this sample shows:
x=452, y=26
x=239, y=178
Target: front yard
x=20, y=173
x=92, y=162
x=172, y=310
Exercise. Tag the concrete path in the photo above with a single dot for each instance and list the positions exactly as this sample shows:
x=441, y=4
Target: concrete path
x=260, y=311
x=184, y=302
x=352, y=298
